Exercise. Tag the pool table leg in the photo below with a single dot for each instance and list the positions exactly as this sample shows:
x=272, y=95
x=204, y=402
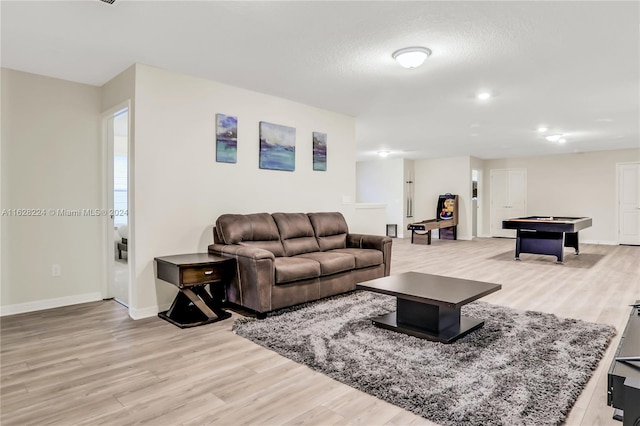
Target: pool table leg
x=518, y=240
x=571, y=240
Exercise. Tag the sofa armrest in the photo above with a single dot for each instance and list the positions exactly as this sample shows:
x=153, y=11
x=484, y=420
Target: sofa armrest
x=254, y=278
x=373, y=242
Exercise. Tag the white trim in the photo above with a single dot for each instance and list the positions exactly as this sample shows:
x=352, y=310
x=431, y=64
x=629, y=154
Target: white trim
x=148, y=312
x=57, y=302
x=602, y=243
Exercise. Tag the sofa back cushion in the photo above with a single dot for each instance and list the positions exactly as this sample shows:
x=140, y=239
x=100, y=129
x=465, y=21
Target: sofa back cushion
x=296, y=233
x=255, y=230
x=330, y=229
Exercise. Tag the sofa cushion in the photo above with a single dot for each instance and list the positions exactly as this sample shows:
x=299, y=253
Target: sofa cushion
x=296, y=233
x=255, y=230
x=363, y=257
x=331, y=263
x=290, y=269
x=330, y=229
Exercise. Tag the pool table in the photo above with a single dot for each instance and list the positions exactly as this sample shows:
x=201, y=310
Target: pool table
x=546, y=234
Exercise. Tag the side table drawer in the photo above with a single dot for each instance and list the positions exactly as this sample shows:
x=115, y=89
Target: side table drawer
x=203, y=274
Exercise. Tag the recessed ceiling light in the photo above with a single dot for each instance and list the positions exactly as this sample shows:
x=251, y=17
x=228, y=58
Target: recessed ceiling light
x=542, y=129
x=553, y=138
x=383, y=154
x=411, y=57
x=483, y=96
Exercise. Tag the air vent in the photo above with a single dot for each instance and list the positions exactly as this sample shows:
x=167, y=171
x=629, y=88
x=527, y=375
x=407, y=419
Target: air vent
x=108, y=1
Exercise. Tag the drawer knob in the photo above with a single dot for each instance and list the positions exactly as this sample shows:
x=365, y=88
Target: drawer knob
x=208, y=272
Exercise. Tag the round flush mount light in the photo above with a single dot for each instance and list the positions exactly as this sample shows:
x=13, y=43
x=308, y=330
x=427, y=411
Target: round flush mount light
x=483, y=96
x=562, y=140
x=411, y=57
x=383, y=154
x=542, y=129
x=555, y=138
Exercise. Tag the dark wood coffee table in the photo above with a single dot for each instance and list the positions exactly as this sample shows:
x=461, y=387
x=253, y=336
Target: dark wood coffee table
x=428, y=306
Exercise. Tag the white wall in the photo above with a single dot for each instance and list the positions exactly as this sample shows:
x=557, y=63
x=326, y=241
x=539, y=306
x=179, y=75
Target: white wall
x=369, y=219
x=180, y=189
x=435, y=177
x=382, y=181
x=582, y=184
x=50, y=157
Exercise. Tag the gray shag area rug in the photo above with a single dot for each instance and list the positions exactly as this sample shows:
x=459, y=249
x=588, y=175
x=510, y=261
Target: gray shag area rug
x=521, y=368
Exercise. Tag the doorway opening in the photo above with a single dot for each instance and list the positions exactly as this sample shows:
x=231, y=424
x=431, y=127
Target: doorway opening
x=476, y=204
x=118, y=240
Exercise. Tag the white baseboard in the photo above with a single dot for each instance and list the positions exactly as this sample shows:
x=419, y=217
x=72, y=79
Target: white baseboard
x=39, y=305
x=148, y=312
x=604, y=243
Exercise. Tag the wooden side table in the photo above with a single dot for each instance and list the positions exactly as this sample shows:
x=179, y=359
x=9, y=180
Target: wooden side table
x=191, y=273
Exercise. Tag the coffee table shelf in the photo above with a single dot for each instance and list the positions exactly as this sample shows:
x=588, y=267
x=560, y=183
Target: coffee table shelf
x=428, y=306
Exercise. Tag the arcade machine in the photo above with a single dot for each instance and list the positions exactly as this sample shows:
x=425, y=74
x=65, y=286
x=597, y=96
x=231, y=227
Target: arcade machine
x=446, y=222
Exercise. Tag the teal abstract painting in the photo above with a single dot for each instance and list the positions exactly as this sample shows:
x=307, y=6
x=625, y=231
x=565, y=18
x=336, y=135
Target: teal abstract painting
x=277, y=147
x=226, y=138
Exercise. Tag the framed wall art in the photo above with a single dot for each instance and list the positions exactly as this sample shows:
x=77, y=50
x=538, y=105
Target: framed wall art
x=226, y=138
x=277, y=147
x=319, y=151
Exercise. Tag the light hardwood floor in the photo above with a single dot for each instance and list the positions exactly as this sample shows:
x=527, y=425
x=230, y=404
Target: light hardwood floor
x=90, y=364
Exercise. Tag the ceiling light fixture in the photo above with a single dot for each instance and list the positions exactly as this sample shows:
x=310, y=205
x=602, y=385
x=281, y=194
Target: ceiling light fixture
x=553, y=138
x=411, y=57
x=562, y=140
x=483, y=96
x=383, y=154
x=542, y=129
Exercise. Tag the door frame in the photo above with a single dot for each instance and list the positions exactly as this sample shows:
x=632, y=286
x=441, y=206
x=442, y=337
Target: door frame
x=618, y=168
x=108, y=248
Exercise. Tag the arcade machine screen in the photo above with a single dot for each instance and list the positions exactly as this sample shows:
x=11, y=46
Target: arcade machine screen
x=446, y=204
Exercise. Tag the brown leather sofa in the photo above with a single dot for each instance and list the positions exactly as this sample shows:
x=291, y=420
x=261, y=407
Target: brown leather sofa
x=284, y=259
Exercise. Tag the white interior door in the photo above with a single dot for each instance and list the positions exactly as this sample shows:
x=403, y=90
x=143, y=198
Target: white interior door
x=629, y=203
x=499, y=188
x=517, y=193
x=508, y=199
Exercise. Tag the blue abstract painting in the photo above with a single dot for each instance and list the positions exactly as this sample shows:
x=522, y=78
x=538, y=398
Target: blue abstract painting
x=319, y=151
x=277, y=147
x=226, y=138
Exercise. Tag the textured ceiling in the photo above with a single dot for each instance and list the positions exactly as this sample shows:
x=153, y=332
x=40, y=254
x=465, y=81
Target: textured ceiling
x=573, y=66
